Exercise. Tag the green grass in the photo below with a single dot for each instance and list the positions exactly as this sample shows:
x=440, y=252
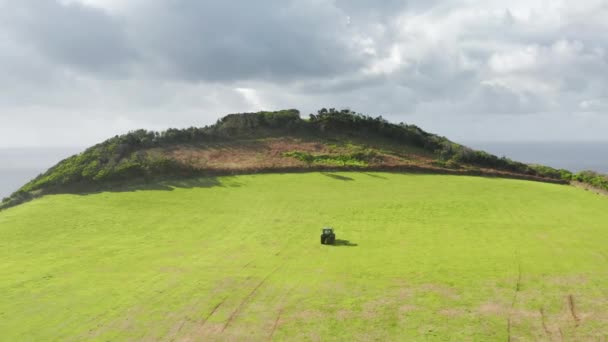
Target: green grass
x=238, y=258
x=358, y=158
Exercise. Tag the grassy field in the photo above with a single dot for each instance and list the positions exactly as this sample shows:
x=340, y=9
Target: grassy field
x=419, y=257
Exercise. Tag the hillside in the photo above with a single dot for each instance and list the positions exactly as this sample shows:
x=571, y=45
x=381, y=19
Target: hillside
x=238, y=258
x=271, y=142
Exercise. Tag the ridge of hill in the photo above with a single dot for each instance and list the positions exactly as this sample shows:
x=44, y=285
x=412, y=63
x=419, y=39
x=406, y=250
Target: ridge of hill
x=279, y=141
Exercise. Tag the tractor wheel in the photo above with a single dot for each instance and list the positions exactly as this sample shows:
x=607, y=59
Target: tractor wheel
x=331, y=240
x=322, y=240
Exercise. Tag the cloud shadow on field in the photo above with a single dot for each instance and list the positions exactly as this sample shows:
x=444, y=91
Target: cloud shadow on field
x=158, y=185
x=338, y=177
x=344, y=243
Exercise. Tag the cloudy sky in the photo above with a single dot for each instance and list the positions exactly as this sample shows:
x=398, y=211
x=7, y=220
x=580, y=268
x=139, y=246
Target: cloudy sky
x=74, y=72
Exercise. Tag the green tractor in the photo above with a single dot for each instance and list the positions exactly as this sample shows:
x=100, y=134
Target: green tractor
x=328, y=237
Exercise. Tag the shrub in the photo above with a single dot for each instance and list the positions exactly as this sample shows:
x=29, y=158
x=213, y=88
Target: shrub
x=361, y=158
x=592, y=178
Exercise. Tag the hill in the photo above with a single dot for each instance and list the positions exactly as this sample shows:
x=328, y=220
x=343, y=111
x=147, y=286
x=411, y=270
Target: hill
x=419, y=257
x=272, y=142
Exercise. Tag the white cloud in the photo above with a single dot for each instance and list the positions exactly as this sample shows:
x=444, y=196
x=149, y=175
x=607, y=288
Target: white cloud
x=519, y=60
x=253, y=99
x=116, y=6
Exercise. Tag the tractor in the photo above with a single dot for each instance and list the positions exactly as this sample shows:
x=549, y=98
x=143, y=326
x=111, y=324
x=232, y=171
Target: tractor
x=328, y=237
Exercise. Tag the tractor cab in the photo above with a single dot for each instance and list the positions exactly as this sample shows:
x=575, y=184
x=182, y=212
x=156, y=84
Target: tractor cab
x=328, y=237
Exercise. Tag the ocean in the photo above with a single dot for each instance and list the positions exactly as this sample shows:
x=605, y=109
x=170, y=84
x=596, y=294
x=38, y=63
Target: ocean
x=19, y=165
x=577, y=156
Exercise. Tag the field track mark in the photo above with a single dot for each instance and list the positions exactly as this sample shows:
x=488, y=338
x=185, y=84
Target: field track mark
x=276, y=324
x=542, y=317
x=247, y=299
x=518, y=285
x=204, y=319
x=279, y=314
x=212, y=312
x=180, y=328
x=285, y=246
x=517, y=288
x=573, y=310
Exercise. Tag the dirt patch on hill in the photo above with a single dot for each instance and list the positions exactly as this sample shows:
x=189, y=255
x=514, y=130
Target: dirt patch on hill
x=244, y=156
x=273, y=155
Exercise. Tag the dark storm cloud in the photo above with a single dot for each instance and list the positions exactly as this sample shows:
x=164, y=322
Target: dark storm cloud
x=232, y=40
x=193, y=40
x=73, y=34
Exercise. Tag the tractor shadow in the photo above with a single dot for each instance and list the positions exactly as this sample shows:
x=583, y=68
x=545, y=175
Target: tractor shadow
x=344, y=243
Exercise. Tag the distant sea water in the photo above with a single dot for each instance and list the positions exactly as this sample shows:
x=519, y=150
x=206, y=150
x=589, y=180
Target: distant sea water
x=573, y=156
x=20, y=165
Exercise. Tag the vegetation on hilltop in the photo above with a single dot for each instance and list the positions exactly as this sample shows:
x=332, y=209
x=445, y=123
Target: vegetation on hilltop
x=592, y=178
x=142, y=154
